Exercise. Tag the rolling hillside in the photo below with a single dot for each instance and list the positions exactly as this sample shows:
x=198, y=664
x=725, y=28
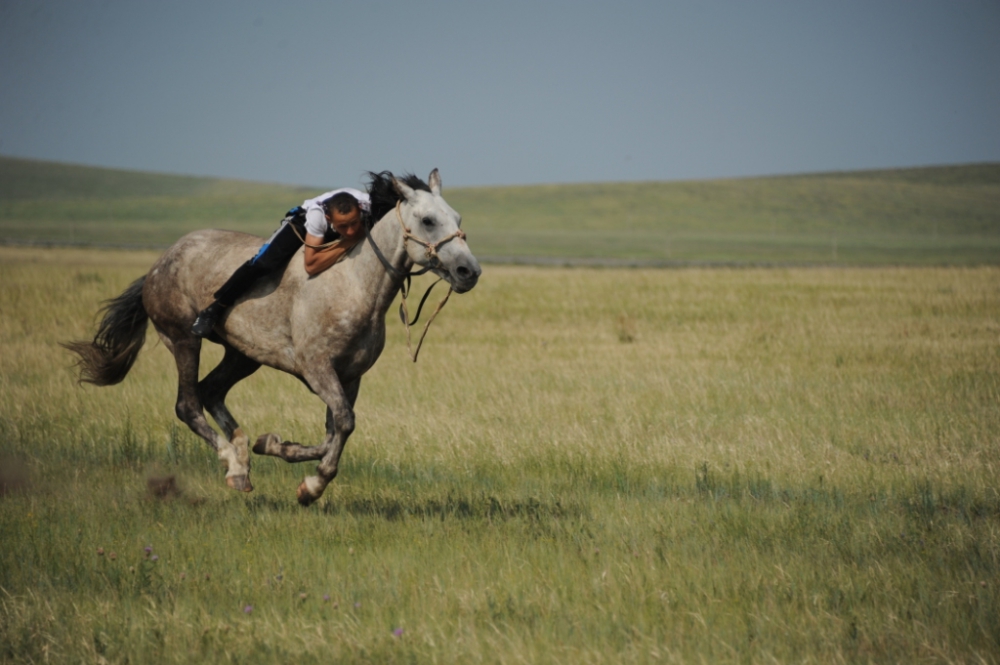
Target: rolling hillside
x=934, y=215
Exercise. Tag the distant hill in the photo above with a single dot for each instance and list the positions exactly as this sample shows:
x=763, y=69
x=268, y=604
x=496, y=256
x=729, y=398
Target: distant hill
x=63, y=203
x=25, y=180
x=933, y=215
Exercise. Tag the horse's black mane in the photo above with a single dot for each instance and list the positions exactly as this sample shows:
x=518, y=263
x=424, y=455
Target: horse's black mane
x=384, y=196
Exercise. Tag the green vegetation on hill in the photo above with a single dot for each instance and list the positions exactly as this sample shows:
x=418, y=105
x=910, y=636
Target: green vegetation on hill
x=61, y=203
x=906, y=216
x=29, y=180
x=933, y=215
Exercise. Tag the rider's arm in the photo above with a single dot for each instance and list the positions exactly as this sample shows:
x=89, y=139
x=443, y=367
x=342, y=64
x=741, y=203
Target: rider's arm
x=318, y=260
x=348, y=227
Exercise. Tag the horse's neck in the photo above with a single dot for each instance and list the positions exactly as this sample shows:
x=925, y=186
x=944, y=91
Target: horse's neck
x=381, y=284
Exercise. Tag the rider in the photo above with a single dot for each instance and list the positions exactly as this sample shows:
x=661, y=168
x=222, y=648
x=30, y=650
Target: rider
x=337, y=215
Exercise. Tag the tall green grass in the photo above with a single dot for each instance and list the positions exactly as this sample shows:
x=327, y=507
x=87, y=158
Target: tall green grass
x=929, y=216
x=792, y=465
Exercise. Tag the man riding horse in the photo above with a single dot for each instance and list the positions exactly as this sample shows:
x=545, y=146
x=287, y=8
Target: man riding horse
x=338, y=213
x=325, y=329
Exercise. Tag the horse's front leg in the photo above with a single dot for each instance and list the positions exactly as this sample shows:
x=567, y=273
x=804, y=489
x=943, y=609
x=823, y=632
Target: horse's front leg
x=339, y=426
x=290, y=451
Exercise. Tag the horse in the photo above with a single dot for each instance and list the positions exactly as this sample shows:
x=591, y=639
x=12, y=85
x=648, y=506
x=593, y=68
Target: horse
x=326, y=330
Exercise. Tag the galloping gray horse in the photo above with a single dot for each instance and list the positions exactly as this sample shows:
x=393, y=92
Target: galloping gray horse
x=326, y=330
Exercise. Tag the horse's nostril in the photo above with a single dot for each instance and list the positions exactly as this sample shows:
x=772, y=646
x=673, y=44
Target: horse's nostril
x=463, y=272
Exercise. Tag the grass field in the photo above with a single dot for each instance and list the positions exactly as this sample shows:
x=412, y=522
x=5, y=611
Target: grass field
x=586, y=466
x=928, y=216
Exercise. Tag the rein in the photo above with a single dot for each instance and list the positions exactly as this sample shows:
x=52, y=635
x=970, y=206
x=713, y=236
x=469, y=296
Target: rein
x=326, y=245
x=430, y=250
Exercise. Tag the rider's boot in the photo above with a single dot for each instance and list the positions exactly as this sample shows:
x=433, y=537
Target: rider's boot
x=237, y=284
x=207, y=318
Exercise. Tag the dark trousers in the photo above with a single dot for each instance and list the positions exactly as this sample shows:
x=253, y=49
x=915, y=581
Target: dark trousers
x=274, y=255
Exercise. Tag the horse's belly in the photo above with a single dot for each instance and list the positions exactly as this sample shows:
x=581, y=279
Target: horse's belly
x=252, y=333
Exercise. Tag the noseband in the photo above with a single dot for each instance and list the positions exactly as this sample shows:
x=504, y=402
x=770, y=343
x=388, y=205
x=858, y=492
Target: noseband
x=431, y=251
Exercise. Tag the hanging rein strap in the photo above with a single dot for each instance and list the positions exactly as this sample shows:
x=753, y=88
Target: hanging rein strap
x=404, y=316
x=431, y=251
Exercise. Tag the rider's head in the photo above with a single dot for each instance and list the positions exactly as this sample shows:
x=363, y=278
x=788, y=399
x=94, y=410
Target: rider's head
x=343, y=214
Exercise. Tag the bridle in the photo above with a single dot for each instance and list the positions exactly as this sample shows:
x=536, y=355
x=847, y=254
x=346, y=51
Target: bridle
x=431, y=251
x=430, y=248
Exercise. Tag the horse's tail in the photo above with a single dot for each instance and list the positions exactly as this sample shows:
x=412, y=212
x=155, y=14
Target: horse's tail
x=107, y=360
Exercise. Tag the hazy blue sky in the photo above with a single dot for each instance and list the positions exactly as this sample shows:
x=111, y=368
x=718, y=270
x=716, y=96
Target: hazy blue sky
x=512, y=92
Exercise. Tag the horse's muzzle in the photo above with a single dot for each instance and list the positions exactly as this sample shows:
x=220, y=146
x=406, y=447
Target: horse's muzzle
x=464, y=274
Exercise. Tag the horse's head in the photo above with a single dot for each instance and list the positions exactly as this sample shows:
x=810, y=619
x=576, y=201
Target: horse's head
x=434, y=235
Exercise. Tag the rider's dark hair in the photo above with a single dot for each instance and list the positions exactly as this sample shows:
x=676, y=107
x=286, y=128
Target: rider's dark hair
x=343, y=203
x=384, y=196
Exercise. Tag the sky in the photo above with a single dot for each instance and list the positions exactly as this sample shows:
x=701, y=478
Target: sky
x=500, y=93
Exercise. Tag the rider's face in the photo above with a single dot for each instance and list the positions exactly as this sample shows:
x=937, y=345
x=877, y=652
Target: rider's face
x=348, y=225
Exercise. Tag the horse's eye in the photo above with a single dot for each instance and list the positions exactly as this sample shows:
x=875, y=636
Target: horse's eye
x=427, y=222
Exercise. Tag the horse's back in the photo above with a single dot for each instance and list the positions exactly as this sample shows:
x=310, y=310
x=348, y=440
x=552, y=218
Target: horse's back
x=210, y=242
x=183, y=279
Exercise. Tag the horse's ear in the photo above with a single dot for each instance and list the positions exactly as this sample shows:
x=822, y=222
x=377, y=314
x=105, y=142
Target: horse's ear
x=435, y=182
x=403, y=189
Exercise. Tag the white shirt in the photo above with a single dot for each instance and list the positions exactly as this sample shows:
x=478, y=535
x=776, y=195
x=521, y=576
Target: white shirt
x=316, y=224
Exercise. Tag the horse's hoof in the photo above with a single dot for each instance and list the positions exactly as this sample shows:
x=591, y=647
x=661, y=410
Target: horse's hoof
x=265, y=441
x=304, y=496
x=239, y=483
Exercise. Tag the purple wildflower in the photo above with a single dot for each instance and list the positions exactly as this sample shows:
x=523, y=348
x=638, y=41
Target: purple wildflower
x=398, y=632
x=155, y=557
x=248, y=609
x=148, y=549
x=326, y=598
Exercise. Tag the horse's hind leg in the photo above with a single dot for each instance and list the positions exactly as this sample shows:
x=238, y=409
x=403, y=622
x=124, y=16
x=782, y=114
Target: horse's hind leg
x=212, y=391
x=186, y=352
